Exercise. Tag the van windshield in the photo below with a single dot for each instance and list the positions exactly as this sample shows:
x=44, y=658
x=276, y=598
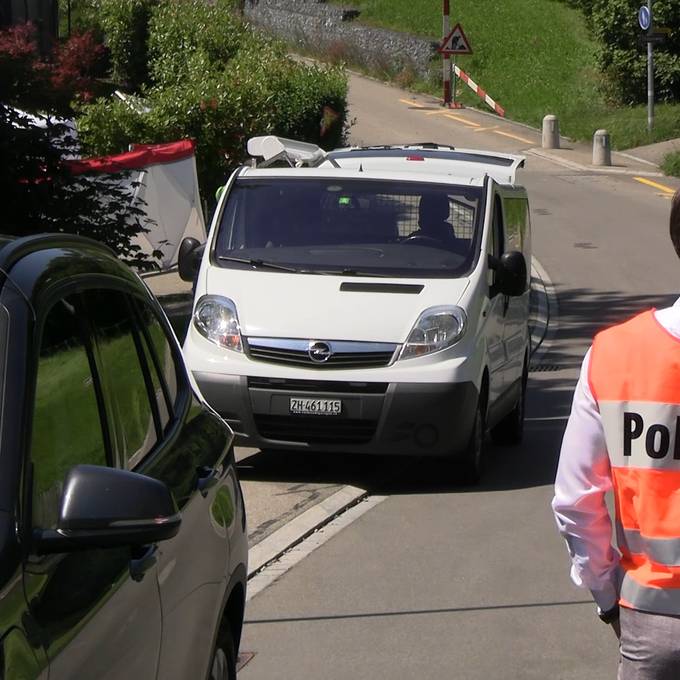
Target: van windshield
x=355, y=226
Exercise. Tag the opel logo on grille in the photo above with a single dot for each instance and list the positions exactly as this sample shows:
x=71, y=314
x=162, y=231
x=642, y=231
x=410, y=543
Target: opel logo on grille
x=319, y=352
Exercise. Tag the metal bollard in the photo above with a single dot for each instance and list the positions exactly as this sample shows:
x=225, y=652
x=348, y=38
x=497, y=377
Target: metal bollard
x=551, y=132
x=602, y=153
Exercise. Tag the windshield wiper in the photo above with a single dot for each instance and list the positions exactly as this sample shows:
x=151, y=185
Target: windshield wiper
x=258, y=264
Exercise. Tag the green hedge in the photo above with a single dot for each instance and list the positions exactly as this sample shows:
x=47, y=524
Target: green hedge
x=126, y=25
x=216, y=81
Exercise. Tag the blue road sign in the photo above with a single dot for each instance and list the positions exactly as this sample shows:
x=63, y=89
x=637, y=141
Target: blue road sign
x=644, y=18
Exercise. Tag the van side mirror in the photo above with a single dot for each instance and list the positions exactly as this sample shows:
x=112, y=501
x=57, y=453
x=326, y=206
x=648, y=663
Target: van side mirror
x=104, y=507
x=189, y=258
x=513, y=274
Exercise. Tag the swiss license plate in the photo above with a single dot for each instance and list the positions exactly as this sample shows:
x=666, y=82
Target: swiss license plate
x=316, y=407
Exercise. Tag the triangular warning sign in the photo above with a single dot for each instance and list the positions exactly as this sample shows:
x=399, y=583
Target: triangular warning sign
x=455, y=42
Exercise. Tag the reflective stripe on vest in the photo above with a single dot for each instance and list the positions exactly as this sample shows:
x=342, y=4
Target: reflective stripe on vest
x=635, y=379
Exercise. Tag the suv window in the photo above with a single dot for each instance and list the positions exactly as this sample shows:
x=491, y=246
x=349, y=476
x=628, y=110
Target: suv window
x=125, y=373
x=161, y=362
x=67, y=427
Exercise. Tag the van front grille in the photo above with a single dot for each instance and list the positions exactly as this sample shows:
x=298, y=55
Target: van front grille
x=341, y=354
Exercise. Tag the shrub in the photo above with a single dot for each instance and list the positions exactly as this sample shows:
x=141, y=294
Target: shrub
x=126, y=26
x=180, y=28
x=217, y=82
x=29, y=82
x=623, y=61
x=41, y=194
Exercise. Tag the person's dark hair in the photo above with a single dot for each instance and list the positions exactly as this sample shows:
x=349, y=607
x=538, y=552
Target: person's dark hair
x=675, y=221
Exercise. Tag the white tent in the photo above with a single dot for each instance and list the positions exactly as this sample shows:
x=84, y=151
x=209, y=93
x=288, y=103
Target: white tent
x=166, y=189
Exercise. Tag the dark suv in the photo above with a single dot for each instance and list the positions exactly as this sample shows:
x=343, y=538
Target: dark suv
x=122, y=529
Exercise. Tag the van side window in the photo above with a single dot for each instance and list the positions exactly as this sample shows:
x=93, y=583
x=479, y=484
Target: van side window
x=496, y=244
x=67, y=427
x=516, y=221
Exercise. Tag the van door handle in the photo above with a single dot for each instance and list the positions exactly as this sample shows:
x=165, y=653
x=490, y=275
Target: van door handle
x=142, y=560
x=207, y=478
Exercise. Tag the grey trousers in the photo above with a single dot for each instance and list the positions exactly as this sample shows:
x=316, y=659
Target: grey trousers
x=650, y=646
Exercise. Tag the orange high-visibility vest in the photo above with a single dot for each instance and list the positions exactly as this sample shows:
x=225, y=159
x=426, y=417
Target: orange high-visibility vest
x=635, y=379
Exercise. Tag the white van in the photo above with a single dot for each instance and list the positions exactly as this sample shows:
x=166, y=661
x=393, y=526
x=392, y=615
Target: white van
x=370, y=300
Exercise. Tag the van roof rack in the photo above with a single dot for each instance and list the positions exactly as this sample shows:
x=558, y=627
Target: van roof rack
x=273, y=149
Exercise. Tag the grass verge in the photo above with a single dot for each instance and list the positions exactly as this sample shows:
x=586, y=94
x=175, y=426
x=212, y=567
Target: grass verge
x=671, y=164
x=534, y=57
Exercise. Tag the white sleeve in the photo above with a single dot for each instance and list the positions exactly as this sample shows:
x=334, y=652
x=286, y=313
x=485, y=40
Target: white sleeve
x=583, y=479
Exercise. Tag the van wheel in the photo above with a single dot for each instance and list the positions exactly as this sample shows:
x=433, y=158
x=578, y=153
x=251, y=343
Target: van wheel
x=472, y=467
x=510, y=430
x=224, y=658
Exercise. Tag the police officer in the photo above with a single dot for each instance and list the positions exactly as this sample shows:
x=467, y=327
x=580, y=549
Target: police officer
x=623, y=435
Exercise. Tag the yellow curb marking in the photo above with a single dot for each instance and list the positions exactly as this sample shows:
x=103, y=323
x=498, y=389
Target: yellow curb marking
x=443, y=112
x=412, y=103
x=668, y=191
x=495, y=127
x=465, y=121
x=517, y=137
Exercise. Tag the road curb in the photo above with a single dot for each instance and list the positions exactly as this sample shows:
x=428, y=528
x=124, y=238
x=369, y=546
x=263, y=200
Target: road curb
x=299, y=528
x=573, y=165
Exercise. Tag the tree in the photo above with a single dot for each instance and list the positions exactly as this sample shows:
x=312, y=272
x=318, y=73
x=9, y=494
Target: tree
x=40, y=191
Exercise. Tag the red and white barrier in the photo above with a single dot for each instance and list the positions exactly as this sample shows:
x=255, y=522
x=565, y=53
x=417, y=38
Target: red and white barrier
x=479, y=91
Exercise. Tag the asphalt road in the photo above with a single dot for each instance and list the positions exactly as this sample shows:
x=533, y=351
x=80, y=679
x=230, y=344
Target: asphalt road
x=438, y=581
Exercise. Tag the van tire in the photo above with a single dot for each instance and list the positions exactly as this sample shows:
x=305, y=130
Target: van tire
x=510, y=430
x=473, y=461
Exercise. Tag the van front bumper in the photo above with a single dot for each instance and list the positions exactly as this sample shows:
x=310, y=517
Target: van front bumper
x=433, y=419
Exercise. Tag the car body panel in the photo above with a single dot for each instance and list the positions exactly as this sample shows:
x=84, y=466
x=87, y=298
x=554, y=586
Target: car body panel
x=93, y=619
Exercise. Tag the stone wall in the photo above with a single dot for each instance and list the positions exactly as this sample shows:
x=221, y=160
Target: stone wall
x=321, y=28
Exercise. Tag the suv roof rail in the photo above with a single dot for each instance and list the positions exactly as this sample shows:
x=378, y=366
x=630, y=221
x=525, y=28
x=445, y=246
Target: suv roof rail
x=16, y=249
x=272, y=149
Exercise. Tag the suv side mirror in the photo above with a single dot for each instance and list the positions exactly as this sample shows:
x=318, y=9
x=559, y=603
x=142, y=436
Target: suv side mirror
x=189, y=258
x=513, y=273
x=104, y=507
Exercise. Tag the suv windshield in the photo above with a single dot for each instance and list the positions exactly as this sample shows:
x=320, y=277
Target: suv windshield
x=354, y=226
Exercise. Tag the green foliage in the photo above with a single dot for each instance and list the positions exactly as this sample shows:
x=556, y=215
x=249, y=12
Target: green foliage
x=214, y=80
x=126, y=25
x=42, y=194
x=179, y=30
x=671, y=164
x=623, y=61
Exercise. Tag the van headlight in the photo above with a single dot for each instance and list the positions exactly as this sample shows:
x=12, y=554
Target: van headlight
x=436, y=329
x=215, y=318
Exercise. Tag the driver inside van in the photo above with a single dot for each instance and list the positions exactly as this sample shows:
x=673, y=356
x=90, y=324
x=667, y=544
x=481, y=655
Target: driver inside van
x=433, y=213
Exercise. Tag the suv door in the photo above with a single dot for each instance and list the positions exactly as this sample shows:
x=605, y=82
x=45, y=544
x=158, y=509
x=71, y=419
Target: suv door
x=176, y=438
x=94, y=620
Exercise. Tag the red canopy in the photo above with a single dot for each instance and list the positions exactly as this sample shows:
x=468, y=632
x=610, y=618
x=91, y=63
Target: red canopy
x=141, y=156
